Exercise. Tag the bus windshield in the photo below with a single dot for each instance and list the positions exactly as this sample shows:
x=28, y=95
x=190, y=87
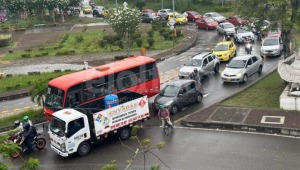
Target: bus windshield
x=54, y=98
x=58, y=126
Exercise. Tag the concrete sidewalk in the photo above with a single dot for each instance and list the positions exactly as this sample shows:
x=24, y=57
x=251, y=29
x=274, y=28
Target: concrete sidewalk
x=220, y=116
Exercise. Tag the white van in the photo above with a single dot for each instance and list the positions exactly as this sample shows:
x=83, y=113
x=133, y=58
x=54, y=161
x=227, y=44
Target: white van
x=271, y=46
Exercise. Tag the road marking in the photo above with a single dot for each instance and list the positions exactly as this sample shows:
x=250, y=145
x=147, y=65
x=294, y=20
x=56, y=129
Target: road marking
x=206, y=94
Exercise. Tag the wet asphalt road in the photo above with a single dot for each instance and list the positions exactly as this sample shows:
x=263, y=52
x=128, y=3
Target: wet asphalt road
x=193, y=148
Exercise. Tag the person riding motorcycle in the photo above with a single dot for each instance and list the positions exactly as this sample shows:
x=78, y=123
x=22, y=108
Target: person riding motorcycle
x=195, y=75
x=29, y=132
x=164, y=115
x=26, y=119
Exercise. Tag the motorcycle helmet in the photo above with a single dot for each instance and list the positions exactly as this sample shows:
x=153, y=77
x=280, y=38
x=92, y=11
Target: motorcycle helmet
x=161, y=106
x=25, y=118
x=195, y=70
x=26, y=126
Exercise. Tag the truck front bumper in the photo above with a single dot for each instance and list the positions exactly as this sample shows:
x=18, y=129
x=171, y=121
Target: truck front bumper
x=63, y=154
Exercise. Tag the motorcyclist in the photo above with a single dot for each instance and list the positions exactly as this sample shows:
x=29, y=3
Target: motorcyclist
x=248, y=45
x=195, y=75
x=28, y=133
x=228, y=38
x=164, y=115
x=26, y=119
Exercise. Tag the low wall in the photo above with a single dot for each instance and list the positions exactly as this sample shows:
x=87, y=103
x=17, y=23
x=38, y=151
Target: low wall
x=289, y=102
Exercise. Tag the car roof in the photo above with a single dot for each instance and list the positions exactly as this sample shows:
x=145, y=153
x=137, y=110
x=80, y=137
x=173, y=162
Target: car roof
x=226, y=23
x=224, y=42
x=272, y=37
x=180, y=82
x=242, y=57
x=201, y=55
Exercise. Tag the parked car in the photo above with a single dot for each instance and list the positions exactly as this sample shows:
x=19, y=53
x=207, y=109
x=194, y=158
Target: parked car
x=242, y=34
x=240, y=68
x=148, y=17
x=207, y=23
x=204, y=62
x=87, y=9
x=177, y=94
x=226, y=28
x=100, y=11
x=237, y=20
x=164, y=13
x=147, y=10
x=216, y=16
x=225, y=50
x=179, y=19
x=73, y=10
x=193, y=15
x=271, y=46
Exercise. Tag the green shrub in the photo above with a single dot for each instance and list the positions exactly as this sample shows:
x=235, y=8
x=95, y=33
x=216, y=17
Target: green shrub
x=151, y=42
x=224, y=8
x=28, y=50
x=5, y=40
x=136, y=35
x=38, y=55
x=207, y=2
x=166, y=35
x=41, y=49
x=78, y=38
x=25, y=55
x=62, y=53
x=139, y=42
x=64, y=37
x=102, y=43
x=150, y=33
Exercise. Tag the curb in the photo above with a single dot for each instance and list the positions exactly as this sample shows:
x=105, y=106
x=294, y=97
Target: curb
x=243, y=127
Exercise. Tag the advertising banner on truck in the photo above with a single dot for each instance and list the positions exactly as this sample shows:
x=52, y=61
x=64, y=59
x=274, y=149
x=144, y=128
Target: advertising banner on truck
x=121, y=115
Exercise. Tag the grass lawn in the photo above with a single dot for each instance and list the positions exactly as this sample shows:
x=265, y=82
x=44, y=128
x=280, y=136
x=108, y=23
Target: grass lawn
x=264, y=94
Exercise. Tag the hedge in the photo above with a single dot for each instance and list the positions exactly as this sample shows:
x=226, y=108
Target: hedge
x=5, y=40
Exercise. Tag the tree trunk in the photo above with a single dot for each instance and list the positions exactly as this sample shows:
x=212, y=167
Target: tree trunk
x=52, y=15
x=62, y=15
x=287, y=40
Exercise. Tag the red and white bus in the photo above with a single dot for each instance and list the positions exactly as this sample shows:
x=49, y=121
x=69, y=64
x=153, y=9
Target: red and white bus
x=85, y=88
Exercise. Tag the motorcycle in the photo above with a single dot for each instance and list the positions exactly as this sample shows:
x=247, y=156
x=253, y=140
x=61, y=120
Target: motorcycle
x=39, y=142
x=248, y=46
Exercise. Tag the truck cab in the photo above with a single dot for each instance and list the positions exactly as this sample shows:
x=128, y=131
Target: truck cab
x=69, y=132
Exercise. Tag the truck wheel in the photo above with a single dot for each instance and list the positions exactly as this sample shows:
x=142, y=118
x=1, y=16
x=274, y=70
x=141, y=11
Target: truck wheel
x=84, y=149
x=125, y=133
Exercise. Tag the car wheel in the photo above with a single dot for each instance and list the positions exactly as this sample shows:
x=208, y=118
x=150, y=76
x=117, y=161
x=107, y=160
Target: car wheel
x=150, y=21
x=84, y=149
x=174, y=109
x=260, y=70
x=199, y=98
x=217, y=68
x=245, y=78
x=125, y=133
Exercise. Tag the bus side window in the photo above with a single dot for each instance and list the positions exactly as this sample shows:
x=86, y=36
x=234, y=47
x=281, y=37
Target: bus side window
x=126, y=82
x=73, y=99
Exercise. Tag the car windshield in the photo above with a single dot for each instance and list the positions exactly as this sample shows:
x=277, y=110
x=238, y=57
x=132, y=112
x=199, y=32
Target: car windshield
x=169, y=91
x=228, y=26
x=57, y=126
x=209, y=20
x=236, y=64
x=180, y=16
x=221, y=47
x=242, y=31
x=194, y=62
x=194, y=13
x=270, y=42
x=215, y=15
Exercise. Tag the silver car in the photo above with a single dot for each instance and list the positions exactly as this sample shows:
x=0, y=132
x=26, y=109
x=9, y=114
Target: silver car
x=242, y=34
x=226, y=28
x=177, y=94
x=216, y=16
x=271, y=46
x=240, y=68
x=205, y=63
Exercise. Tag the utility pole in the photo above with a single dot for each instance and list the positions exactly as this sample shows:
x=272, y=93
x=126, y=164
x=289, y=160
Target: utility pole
x=117, y=4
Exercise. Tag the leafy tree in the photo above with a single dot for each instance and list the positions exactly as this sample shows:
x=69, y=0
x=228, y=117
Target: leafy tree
x=284, y=14
x=8, y=148
x=125, y=23
x=38, y=90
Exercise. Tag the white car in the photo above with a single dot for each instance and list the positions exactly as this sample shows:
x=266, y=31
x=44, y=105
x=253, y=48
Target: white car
x=240, y=68
x=216, y=16
x=226, y=28
x=271, y=46
x=164, y=13
x=205, y=63
x=243, y=33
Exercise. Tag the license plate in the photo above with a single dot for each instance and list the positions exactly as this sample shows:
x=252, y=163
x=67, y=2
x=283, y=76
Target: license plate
x=228, y=79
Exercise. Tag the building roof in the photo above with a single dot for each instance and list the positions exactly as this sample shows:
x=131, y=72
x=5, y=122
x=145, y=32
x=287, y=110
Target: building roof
x=289, y=68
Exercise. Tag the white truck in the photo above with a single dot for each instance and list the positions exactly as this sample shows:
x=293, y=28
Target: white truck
x=73, y=131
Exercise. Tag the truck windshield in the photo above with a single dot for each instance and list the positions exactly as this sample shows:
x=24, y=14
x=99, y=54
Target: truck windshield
x=58, y=126
x=54, y=98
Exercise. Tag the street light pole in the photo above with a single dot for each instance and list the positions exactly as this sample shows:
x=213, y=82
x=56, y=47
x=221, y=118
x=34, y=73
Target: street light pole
x=117, y=4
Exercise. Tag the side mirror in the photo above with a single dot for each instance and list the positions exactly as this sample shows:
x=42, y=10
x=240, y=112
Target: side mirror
x=180, y=94
x=248, y=66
